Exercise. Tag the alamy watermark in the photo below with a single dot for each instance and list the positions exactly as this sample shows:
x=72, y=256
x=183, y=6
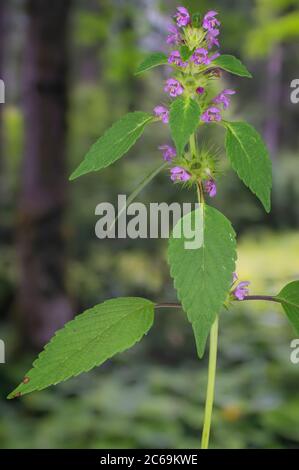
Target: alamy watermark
x=159, y=220
x=2, y=92
x=295, y=353
x=2, y=352
x=295, y=92
x=2, y=344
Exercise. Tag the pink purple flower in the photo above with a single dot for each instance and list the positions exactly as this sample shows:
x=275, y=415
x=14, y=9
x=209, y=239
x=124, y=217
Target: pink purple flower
x=212, y=114
x=235, y=277
x=200, y=90
x=174, y=36
x=201, y=56
x=210, y=187
x=162, y=113
x=174, y=87
x=241, y=291
x=168, y=152
x=179, y=174
x=175, y=58
x=212, y=38
x=214, y=56
x=209, y=21
x=182, y=16
x=223, y=98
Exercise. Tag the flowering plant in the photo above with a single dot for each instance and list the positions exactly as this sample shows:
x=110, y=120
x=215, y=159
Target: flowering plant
x=205, y=277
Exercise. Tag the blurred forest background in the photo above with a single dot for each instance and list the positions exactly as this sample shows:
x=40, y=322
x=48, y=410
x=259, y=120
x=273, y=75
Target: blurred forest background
x=68, y=66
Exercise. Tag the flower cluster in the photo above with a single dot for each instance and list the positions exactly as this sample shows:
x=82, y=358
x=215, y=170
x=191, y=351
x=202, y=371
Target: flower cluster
x=192, y=63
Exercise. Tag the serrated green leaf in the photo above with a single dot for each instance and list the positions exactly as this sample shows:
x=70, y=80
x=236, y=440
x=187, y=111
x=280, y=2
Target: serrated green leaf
x=250, y=159
x=114, y=143
x=183, y=121
x=289, y=298
x=151, y=61
x=232, y=64
x=87, y=341
x=203, y=276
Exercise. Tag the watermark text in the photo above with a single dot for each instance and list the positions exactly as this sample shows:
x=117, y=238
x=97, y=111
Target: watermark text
x=136, y=220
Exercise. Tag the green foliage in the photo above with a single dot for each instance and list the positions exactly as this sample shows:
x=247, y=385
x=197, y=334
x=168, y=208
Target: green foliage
x=110, y=408
x=231, y=64
x=91, y=27
x=89, y=340
x=114, y=143
x=289, y=298
x=13, y=135
x=151, y=61
x=250, y=159
x=183, y=121
x=261, y=40
x=120, y=59
x=91, y=101
x=272, y=7
x=203, y=277
x=276, y=21
x=185, y=53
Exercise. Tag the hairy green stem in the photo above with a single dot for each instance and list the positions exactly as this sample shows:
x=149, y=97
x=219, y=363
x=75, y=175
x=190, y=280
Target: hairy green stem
x=167, y=305
x=266, y=298
x=211, y=385
x=213, y=363
x=212, y=352
x=193, y=150
x=192, y=144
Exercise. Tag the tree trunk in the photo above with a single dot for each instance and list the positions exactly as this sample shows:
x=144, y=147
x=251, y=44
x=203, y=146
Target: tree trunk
x=273, y=100
x=2, y=47
x=43, y=303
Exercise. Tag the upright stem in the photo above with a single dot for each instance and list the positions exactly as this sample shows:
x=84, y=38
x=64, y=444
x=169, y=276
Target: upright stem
x=267, y=298
x=193, y=150
x=213, y=364
x=192, y=144
x=211, y=385
x=213, y=340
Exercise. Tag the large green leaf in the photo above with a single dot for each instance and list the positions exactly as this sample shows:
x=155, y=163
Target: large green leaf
x=250, y=159
x=114, y=143
x=151, y=61
x=289, y=298
x=231, y=64
x=203, y=276
x=89, y=340
x=183, y=120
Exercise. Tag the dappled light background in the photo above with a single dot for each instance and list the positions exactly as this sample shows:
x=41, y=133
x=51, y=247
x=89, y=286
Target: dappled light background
x=81, y=56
